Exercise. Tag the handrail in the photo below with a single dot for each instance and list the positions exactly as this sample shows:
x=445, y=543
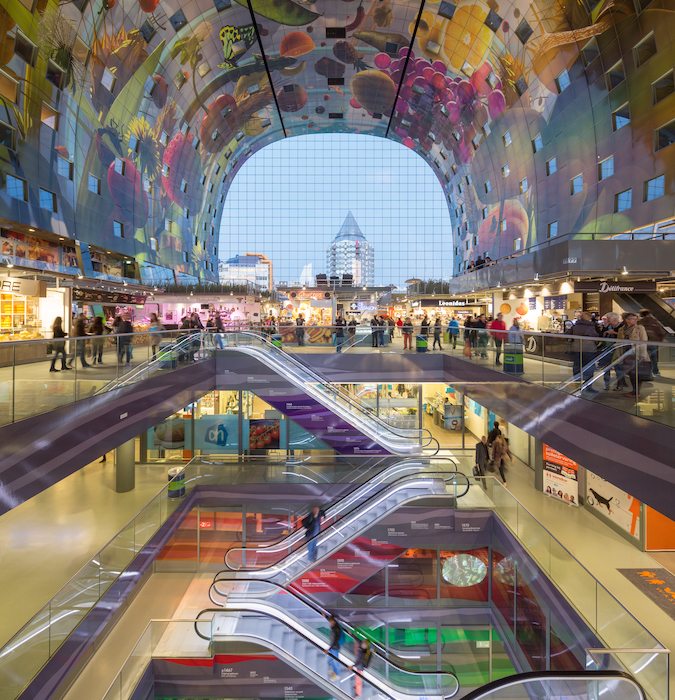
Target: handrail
x=364, y=503
x=488, y=690
x=314, y=643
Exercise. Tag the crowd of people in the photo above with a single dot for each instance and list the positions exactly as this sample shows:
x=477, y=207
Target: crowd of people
x=492, y=453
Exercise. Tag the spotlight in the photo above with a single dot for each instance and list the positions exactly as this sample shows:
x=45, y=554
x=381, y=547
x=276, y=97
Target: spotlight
x=624, y=271
x=10, y=265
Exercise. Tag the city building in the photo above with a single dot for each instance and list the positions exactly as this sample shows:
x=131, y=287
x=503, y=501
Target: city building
x=250, y=268
x=351, y=254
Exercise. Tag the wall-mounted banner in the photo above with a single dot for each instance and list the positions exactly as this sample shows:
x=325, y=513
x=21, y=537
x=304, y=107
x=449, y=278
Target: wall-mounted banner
x=560, y=476
x=613, y=503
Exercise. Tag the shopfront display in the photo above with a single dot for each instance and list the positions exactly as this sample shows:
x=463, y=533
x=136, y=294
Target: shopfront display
x=560, y=476
x=235, y=312
x=26, y=251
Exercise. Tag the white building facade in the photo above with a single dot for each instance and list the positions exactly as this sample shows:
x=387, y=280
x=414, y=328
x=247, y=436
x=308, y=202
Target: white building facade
x=351, y=254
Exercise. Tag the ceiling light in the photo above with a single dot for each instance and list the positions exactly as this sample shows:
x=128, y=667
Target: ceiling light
x=31, y=229
x=624, y=271
x=80, y=277
x=536, y=277
x=10, y=265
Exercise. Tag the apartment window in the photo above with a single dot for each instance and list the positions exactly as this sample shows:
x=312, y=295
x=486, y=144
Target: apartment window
x=488, y=187
x=551, y=166
x=94, y=184
x=183, y=185
x=108, y=80
x=506, y=138
x=17, y=188
x=663, y=87
x=654, y=188
x=49, y=117
x=644, y=50
x=47, y=200
x=524, y=186
x=576, y=184
x=664, y=136
x=615, y=75
x=524, y=31
x=118, y=229
x=185, y=257
x=165, y=170
x=24, y=48
x=553, y=229
x=485, y=213
x=203, y=180
x=537, y=143
x=187, y=213
x=621, y=117
x=119, y=166
x=153, y=243
x=55, y=74
x=133, y=144
x=64, y=167
x=459, y=188
x=163, y=138
x=623, y=201
x=562, y=82
x=606, y=168
x=196, y=241
x=502, y=224
x=506, y=170
x=146, y=184
x=8, y=87
x=486, y=130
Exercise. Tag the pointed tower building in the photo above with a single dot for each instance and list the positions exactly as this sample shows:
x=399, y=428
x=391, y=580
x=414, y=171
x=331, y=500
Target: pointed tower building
x=351, y=254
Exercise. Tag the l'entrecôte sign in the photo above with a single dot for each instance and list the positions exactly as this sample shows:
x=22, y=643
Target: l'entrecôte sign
x=614, y=286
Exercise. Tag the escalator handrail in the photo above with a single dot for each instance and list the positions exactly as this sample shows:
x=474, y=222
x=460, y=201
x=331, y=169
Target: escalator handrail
x=589, y=382
x=381, y=649
x=302, y=634
x=446, y=475
x=592, y=365
x=486, y=691
x=358, y=406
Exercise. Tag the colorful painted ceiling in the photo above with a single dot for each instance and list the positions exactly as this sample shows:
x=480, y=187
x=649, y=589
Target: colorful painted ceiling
x=123, y=121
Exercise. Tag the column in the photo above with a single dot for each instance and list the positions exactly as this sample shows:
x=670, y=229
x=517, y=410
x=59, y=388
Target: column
x=125, y=466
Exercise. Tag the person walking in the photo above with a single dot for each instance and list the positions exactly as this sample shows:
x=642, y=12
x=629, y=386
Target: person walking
x=480, y=329
x=453, y=331
x=482, y=457
x=636, y=362
x=124, y=330
x=80, y=341
x=340, y=325
x=437, y=333
x=407, y=329
x=300, y=330
x=337, y=636
x=374, y=333
x=351, y=328
x=58, y=345
x=97, y=341
x=399, y=325
x=312, y=524
x=498, y=333
x=155, y=329
x=363, y=656
x=584, y=351
x=494, y=433
x=391, y=327
x=500, y=453
x=656, y=333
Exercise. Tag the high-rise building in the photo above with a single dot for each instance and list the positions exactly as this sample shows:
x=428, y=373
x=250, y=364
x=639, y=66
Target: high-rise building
x=249, y=268
x=351, y=254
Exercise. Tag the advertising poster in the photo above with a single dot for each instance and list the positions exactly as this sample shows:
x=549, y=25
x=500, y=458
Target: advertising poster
x=613, y=503
x=264, y=434
x=29, y=251
x=216, y=434
x=561, y=476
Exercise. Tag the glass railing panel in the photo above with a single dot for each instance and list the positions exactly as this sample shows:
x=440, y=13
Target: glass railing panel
x=649, y=667
x=535, y=538
x=576, y=583
x=117, y=555
x=562, y=687
x=147, y=522
x=136, y=663
x=25, y=654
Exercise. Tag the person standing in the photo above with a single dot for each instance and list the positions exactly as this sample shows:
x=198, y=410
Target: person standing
x=424, y=327
x=498, y=333
x=584, y=351
x=382, y=324
x=351, y=328
x=407, y=329
x=636, y=356
x=391, y=327
x=58, y=345
x=437, y=333
x=336, y=638
x=374, y=333
x=453, y=331
x=155, y=329
x=482, y=456
x=312, y=524
x=656, y=333
x=124, y=330
x=80, y=341
x=300, y=329
x=610, y=324
x=494, y=433
x=97, y=341
x=480, y=329
x=399, y=325
x=363, y=656
x=340, y=325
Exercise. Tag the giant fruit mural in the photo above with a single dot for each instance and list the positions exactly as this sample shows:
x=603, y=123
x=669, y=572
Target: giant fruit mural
x=137, y=114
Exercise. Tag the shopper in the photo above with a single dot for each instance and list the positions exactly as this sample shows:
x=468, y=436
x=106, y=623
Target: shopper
x=155, y=329
x=498, y=333
x=391, y=326
x=337, y=636
x=340, y=325
x=424, y=327
x=500, y=453
x=124, y=338
x=312, y=524
x=515, y=336
x=453, y=331
x=382, y=324
x=96, y=330
x=363, y=656
x=438, y=329
x=494, y=433
x=374, y=333
x=407, y=329
x=80, y=331
x=656, y=333
x=351, y=328
x=58, y=345
x=399, y=325
x=482, y=457
x=300, y=330
x=480, y=329
x=636, y=362
x=610, y=324
x=584, y=351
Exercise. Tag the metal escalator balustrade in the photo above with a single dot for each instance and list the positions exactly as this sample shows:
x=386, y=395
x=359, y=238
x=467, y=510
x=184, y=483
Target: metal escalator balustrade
x=306, y=650
x=363, y=516
x=238, y=558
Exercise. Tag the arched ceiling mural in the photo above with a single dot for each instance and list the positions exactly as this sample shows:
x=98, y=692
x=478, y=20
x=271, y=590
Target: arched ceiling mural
x=136, y=114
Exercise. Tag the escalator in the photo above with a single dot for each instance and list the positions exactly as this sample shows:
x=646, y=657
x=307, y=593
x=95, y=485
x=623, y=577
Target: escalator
x=660, y=308
x=305, y=649
x=325, y=410
x=353, y=515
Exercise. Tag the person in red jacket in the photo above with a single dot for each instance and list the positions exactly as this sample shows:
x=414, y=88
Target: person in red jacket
x=498, y=333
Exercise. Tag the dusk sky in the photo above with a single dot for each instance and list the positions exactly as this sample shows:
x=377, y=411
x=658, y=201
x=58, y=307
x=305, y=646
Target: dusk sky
x=290, y=199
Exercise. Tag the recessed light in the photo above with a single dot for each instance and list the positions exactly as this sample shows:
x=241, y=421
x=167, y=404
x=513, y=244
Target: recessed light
x=10, y=265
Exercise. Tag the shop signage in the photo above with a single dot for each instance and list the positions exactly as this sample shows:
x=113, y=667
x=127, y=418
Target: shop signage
x=560, y=476
x=532, y=303
x=555, y=303
x=439, y=303
x=28, y=288
x=104, y=297
x=613, y=287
